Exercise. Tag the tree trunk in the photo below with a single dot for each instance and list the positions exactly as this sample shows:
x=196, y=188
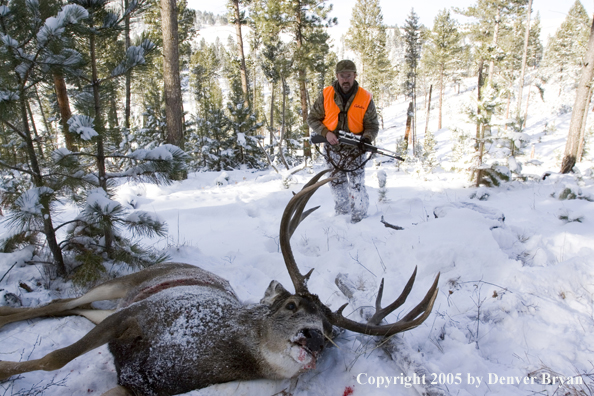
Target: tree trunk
x=439, y=118
x=428, y=109
x=242, y=68
x=479, y=97
x=581, y=101
x=48, y=227
x=481, y=148
x=479, y=126
x=302, y=76
x=255, y=82
x=524, y=58
x=128, y=105
x=272, y=116
x=495, y=39
x=413, y=136
x=508, y=104
x=527, y=104
x=409, y=117
x=65, y=113
x=580, y=152
x=171, y=78
x=37, y=138
x=282, y=131
x=99, y=128
x=48, y=127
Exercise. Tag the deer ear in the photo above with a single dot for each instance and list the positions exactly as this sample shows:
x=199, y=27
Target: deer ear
x=274, y=291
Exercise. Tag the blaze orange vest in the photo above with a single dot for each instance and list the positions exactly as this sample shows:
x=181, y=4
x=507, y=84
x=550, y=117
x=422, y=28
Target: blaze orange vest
x=355, y=113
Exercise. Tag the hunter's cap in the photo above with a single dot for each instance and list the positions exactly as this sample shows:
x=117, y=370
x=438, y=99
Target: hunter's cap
x=346, y=66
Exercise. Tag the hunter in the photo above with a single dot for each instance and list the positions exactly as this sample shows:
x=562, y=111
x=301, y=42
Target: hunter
x=344, y=106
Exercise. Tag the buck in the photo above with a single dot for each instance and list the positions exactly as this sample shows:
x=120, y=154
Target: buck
x=178, y=327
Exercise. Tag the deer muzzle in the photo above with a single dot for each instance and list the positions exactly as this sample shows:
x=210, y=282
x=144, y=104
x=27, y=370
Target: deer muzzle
x=312, y=340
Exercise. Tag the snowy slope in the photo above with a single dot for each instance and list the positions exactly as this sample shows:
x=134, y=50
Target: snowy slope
x=516, y=290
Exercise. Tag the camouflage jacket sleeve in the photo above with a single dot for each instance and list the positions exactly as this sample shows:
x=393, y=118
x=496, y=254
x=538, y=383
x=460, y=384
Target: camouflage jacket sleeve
x=370, y=122
x=316, y=115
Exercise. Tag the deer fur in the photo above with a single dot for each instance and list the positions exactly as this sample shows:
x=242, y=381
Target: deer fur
x=196, y=324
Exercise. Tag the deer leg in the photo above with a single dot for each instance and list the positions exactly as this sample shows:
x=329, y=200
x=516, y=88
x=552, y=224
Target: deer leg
x=118, y=391
x=5, y=311
x=94, y=315
x=113, y=327
x=107, y=291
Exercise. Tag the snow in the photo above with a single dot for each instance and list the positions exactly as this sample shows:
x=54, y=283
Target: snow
x=83, y=125
x=97, y=198
x=29, y=201
x=8, y=96
x=54, y=26
x=9, y=41
x=516, y=295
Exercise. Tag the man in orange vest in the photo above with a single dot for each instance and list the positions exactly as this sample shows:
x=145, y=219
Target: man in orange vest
x=344, y=106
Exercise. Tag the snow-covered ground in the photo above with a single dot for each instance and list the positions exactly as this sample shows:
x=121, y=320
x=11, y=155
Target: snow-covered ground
x=516, y=298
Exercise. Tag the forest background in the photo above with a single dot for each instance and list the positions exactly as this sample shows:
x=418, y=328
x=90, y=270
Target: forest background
x=96, y=92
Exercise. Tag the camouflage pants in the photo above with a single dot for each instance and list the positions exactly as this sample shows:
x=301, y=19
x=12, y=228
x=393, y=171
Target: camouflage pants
x=348, y=189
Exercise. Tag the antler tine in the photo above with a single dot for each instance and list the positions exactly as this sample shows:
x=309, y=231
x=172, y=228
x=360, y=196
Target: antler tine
x=292, y=216
x=298, y=216
x=422, y=306
x=414, y=318
x=381, y=313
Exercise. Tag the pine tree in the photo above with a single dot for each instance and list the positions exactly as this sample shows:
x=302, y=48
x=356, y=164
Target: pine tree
x=273, y=54
x=397, y=51
x=27, y=51
x=429, y=152
x=184, y=19
x=206, y=143
x=305, y=21
x=493, y=19
x=87, y=176
x=101, y=217
x=237, y=17
x=171, y=75
x=243, y=140
x=566, y=50
x=441, y=55
x=412, y=56
x=367, y=38
x=576, y=134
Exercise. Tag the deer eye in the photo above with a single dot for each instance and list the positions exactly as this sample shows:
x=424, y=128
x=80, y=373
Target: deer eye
x=291, y=306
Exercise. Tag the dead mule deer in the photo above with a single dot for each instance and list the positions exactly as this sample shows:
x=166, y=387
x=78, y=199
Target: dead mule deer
x=179, y=327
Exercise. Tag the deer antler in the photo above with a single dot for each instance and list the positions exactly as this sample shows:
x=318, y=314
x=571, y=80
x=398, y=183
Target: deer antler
x=411, y=320
x=292, y=217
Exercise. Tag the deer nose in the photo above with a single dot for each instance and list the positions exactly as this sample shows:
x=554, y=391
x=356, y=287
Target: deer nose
x=314, y=340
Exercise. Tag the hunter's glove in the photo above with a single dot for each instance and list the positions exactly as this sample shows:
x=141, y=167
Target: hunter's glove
x=363, y=142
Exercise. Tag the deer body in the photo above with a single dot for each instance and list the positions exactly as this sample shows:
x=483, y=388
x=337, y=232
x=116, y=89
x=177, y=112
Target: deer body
x=181, y=328
x=199, y=335
x=178, y=327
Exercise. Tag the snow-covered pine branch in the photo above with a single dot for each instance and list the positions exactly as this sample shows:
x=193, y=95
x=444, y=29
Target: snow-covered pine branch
x=134, y=57
x=54, y=26
x=27, y=210
x=83, y=126
x=145, y=224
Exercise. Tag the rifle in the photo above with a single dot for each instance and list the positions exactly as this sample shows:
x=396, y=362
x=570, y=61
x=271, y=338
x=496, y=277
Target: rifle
x=355, y=140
